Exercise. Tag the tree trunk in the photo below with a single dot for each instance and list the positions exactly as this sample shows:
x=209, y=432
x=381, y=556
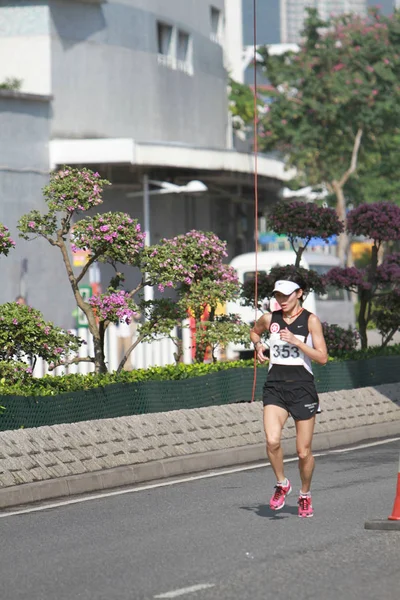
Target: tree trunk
x=98, y=342
x=362, y=319
x=99, y=358
x=128, y=352
x=299, y=254
x=343, y=240
x=199, y=338
x=389, y=337
x=337, y=186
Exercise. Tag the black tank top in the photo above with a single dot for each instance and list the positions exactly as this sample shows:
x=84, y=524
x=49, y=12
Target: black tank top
x=288, y=362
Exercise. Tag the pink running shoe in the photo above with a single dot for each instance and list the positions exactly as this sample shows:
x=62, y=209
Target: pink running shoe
x=305, y=506
x=278, y=499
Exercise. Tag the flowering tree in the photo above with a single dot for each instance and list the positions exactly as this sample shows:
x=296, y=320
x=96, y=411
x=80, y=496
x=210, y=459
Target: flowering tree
x=110, y=237
x=301, y=222
x=381, y=223
x=329, y=104
x=191, y=264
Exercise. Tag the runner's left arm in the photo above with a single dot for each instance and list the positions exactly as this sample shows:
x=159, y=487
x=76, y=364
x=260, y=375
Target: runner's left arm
x=318, y=352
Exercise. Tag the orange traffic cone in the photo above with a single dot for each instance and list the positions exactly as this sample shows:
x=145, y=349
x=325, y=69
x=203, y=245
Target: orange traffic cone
x=392, y=523
x=395, y=516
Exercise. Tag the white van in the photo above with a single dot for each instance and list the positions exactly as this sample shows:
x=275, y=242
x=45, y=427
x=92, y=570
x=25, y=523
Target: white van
x=335, y=307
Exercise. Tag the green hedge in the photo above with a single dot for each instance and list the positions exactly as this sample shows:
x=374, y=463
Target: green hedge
x=223, y=385
x=55, y=385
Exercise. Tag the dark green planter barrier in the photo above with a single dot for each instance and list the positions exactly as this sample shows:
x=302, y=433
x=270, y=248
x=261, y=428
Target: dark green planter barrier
x=225, y=387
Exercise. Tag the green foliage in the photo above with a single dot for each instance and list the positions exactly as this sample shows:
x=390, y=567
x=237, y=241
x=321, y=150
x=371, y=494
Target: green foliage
x=223, y=330
x=366, y=353
x=11, y=83
x=161, y=317
x=13, y=373
x=386, y=315
x=377, y=175
x=339, y=340
x=343, y=79
x=51, y=386
x=241, y=105
x=24, y=332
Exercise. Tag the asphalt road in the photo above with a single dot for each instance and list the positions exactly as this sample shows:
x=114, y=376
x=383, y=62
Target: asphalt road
x=216, y=532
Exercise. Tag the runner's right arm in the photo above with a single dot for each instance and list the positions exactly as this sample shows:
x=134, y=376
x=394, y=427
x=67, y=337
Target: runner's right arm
x=256, y=332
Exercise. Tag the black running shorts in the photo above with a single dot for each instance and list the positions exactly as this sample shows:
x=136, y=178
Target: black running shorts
x=300, y=399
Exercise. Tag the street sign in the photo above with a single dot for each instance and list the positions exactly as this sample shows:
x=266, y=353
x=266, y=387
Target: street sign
x=86, y=292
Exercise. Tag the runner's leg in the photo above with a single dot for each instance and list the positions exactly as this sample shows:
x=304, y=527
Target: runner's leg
x=274, y=419
x=304, y=434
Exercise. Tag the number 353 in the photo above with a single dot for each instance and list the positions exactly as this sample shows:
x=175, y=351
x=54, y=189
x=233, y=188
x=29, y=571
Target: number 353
x=285, y=351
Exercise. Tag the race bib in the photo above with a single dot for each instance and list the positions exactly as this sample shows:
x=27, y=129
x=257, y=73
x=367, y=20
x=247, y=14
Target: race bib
x=283, y=353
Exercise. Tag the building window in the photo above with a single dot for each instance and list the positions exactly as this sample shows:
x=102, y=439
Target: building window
x=165, y=44
x=174, y=48
x=184, y=53
x=216, y=25
x=183, y=46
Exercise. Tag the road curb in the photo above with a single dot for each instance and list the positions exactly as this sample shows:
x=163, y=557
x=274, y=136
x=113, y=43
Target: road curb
x=380, y=525
x=73, y=485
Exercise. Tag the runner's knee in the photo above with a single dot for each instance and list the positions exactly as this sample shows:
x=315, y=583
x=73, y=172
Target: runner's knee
x=273, y=444
x=304, y=452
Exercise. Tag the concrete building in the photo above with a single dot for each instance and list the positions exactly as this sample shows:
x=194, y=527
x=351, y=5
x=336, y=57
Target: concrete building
x=32, y=269
x=136, y=89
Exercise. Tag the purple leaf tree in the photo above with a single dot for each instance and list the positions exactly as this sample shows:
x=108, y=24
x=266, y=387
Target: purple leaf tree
x=379, y=222
x=301, y=222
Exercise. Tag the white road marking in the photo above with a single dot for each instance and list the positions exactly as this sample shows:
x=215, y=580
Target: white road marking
x=187, y=590
x=178, y=480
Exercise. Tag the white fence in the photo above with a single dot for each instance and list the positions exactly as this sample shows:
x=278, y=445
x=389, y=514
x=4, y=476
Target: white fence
x=159, y=353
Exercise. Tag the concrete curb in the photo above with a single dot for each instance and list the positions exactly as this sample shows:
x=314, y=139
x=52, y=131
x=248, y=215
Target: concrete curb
x=106, y=479
x=383, y=525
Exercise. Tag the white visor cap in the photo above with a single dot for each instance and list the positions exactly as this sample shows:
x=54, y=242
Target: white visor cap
x=286, y=287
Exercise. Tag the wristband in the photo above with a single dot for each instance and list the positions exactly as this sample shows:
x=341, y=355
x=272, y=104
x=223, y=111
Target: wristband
x=256, y=343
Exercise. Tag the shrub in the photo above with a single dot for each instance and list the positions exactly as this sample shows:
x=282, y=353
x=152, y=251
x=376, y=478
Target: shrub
x=52, y=386
x=14, y=372
x=24, y=332
x=339, y=340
